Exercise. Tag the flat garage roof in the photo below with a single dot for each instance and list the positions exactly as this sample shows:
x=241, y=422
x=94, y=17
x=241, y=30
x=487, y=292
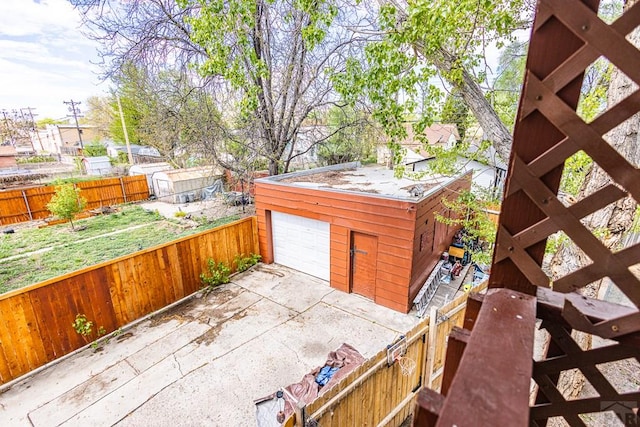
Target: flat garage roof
x=371, y=179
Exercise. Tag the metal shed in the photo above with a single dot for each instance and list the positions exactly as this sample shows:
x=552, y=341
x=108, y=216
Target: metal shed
x=184, y=185
x=148, y=169
x=100, y=165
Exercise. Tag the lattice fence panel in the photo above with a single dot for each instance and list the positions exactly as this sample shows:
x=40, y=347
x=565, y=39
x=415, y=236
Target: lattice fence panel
x=568, y=37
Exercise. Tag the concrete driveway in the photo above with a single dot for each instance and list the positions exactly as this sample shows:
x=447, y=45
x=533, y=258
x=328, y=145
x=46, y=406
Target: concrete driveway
x=203, y=362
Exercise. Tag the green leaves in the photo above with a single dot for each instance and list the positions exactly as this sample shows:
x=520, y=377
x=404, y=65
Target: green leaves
x=477, y=215
x=66, y=202
x=426, y=39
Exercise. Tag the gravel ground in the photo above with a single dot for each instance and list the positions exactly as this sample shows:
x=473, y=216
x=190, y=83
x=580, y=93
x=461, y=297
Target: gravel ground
x=211, y=209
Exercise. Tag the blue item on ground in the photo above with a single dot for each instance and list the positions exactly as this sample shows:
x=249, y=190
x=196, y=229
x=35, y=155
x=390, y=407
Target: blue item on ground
x=325, y=375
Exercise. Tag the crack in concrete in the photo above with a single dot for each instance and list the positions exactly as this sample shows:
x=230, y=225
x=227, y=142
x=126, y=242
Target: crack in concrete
x=135, y=370
x=179, y=366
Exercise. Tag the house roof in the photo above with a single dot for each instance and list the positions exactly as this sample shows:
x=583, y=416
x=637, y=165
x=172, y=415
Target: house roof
x=7, y=151
x=146, y=168
x=96, y=160
x=436, y=134
x=374, y=180
x=191, y=173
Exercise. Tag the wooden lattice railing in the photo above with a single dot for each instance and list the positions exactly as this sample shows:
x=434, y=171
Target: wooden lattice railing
x=491, y=379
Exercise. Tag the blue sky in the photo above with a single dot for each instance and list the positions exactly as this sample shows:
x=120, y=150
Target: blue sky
x=44, y=59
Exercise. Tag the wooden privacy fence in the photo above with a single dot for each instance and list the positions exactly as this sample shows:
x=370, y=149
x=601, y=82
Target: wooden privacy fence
x=31, y=203
x=376, y=394
x=36, y=321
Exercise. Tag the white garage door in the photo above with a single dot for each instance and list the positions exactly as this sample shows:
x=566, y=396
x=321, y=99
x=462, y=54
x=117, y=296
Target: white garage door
x=301, y=243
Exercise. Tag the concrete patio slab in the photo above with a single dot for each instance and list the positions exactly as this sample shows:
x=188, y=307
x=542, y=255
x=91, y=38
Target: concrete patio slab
x=205, y=361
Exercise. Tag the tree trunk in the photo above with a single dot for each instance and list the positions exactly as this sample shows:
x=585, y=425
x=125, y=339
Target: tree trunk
x=493, y=128
x=611, y=222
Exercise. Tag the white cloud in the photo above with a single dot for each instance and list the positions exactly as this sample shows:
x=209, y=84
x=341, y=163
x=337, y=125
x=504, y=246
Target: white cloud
x=44, y=59
x=26, y=17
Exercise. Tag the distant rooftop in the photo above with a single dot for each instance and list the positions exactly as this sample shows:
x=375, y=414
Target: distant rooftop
x=374, y=180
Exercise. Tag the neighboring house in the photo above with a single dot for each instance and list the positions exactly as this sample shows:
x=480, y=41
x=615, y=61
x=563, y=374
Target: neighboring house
x=8, y=157
x=488, y=174
x=442, y=135
x=65, y=139
x=99, y=166
x=148, y=169
x=184, y=185
x=359, y=228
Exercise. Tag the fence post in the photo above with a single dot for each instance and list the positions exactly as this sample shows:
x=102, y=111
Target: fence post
x=26, y=203
x=433, y=333
x=124, y=193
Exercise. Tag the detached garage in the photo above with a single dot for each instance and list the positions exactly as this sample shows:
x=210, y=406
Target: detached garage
x=359, y=228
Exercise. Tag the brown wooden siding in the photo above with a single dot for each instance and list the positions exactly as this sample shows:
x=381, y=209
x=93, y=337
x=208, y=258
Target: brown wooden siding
x=35, y=326
x=340, y=258
x=392, y=221
x=31, y=203
x=425, y=260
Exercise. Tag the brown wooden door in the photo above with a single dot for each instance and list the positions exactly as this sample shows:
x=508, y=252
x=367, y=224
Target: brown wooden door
x=364, y=251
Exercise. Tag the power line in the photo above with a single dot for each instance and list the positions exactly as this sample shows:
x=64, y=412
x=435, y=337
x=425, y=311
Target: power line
x=33, y=124
x=75, y=112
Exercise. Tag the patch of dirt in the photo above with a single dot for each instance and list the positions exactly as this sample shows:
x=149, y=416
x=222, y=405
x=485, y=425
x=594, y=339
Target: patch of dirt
x=124, y=337
x=362, y=190
x=426, y=187
x=210, y=336
x=263, y=268
x=174, y=313
x=92, y=387
x=221, y=296
x=329, y=178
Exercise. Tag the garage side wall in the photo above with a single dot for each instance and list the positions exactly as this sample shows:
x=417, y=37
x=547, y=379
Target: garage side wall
x=431, y=237
x=391, y=221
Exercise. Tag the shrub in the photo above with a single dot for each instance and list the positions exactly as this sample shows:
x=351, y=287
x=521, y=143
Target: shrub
x=66, y=202
x=84, y=327
x=244, y=263
x=218, y=274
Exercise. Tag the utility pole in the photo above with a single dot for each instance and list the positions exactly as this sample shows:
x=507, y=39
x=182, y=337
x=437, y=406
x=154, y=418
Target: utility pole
x=26, y=128
x=21, y=132
x=124, y=129
x=33, y=125
x=6, y=125
x=75, y=112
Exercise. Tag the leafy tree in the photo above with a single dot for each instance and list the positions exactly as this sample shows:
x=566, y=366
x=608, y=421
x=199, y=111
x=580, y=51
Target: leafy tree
x=172, y=112
x=505, y=95
x=130, y=88
x=42, y=123
x=95, y=149
x=67, y=202
x=455, y=111
x=352, y=137
x=474, y=215
x=424, y=39
x=274, y=56
x=269, y=71
x=100, y=113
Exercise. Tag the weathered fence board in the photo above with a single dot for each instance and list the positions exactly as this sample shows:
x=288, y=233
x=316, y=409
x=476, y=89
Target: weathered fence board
x=36, y=321
x=31, y=203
